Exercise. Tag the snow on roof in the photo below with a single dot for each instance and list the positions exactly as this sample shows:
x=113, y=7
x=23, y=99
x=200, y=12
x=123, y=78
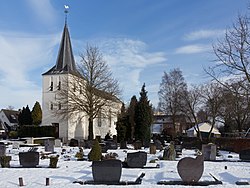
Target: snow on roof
x=204, y=127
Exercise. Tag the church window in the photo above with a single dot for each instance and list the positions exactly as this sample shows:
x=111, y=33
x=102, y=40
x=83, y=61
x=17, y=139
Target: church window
x=51, y=84
x=110, y=118
x=99, y=123
x=59, y=106
x=59, y=85
x=51, y=106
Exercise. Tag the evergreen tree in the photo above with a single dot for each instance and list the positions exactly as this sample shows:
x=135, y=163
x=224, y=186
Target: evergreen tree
x=36, y=114
x=131, y=118
x=143, y=118
x=21, y=116
x=121, y=125
x=26, y=117
x=95, y=153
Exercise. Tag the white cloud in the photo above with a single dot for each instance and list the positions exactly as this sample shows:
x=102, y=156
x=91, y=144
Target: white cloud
x=193, y=49
x=127, y=59
x=43, y=10
x=203, y=34
x=20, y=58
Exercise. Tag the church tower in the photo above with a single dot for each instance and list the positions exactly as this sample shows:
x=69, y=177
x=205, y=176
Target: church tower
x=58, y=79
x=52, y=82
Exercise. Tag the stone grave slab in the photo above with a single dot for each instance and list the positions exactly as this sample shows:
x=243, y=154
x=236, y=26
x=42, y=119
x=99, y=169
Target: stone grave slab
x=136, y=159
x=107, y=171
x=191, y=169
x=49, y=145
x=245, y=155
x=2, y=150
x=29, y=159
x=58, y=143
x=209, y=152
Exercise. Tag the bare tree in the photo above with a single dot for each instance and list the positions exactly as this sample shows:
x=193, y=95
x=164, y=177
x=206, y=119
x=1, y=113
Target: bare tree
x=191, y=103
x=236, y=106
x=93, y=91
x=212, y=100
x=171, y=91
x=232, y=54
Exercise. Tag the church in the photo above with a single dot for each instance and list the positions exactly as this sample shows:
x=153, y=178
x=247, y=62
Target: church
x=75, y=126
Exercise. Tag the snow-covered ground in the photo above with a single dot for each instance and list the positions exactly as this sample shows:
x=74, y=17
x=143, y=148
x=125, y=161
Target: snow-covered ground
x=70, y=170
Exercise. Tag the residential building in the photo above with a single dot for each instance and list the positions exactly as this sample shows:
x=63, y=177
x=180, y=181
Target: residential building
x=9, y=119
x=163, y=123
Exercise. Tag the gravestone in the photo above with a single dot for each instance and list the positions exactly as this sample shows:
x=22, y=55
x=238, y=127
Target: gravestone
x=178, y=149
x=123, y=145
x=190, y=169
x=137, y=145
x=2, y=150
x=103, y=147
x=245, y=155
x=136, y=159
x=58, y=143
x=107, y=171
x=110, y=144
x=15, y=145
x=29, y=159
x=169, y=152
x=209, y=152
x=49, y=145
x=73, y=142
x=158, y=144
x=152, y=149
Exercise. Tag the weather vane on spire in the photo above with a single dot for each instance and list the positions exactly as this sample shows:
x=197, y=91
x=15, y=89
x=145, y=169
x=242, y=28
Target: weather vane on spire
x=66, y=11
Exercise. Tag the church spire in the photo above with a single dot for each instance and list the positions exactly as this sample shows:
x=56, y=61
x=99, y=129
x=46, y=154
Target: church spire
x=65, y=60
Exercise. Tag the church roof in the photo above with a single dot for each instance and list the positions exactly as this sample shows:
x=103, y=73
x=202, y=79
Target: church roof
x=65, y=60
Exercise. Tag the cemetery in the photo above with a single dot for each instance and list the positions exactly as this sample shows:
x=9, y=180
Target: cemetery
x=56, y=165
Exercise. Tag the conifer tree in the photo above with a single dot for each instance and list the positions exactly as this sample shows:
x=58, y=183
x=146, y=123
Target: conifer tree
x=143, y=118
x=121, y=125
x=131, y=118
x=25, y=117
x=95, y=153
x=36, y=114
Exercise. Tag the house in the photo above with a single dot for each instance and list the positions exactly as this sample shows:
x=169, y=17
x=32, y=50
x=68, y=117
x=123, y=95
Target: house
x=9, y=119
x=163, y=123
x=76, y=125
x=204, y=129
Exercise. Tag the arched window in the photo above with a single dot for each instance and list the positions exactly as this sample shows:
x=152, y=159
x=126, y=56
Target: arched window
x=51, y=84
x=51, y=106
x=59, y=83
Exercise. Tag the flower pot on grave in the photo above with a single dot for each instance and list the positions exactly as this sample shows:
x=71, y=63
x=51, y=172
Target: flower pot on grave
x=29, y=159
x=53, y=161
x=107, y=171
x=5, y=161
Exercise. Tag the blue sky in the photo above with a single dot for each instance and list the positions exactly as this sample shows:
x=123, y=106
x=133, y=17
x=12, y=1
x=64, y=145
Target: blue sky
x=140, y=39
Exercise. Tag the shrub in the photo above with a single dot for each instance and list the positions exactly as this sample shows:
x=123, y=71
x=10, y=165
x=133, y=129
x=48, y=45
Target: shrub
x=95, y=153
x=5, y=161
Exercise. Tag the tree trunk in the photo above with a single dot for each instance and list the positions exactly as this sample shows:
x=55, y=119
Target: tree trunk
x=91, y=131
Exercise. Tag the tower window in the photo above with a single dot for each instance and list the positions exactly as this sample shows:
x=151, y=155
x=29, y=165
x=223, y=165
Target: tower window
x=59, y=106
x=59, y=85
x=51, y=106
x=51, y=86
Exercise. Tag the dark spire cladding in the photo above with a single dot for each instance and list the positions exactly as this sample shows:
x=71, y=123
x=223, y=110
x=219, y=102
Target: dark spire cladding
x=65, y=61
